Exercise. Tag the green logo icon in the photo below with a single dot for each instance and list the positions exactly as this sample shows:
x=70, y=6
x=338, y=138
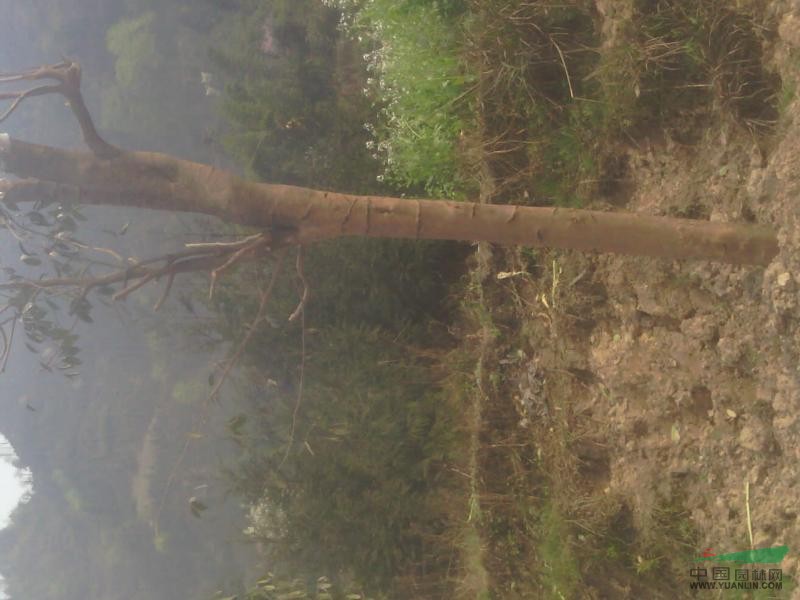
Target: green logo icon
x=759, y=555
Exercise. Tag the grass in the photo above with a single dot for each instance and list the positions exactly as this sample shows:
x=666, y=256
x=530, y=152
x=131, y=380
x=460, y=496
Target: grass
x=537, y=113
x=678, y=58
x=555, y=104
x=534, y=96
x=561, y=575
x=529, y=89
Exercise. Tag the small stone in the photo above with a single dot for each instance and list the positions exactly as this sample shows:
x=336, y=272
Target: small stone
x=784, y=278
x=700, y=327
x=753, y=437
x=675, y=434
x=730, y=350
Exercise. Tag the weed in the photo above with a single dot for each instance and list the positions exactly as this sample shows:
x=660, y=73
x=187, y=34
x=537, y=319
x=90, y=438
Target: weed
x=665, y=539
x=786, y=97
x=561, y=573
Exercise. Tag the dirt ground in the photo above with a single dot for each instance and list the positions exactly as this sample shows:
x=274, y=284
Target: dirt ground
x=665, y=395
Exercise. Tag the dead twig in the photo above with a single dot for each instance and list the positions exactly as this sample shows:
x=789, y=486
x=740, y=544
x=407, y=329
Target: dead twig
x=300, y=310
x=7, y=348
x=165, y=294
x=306, y=292
x=259, y=242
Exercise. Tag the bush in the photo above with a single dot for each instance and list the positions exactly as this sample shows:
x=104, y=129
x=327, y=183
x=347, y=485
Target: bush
x=344, y=483
x=350, y=492
x=289, y=97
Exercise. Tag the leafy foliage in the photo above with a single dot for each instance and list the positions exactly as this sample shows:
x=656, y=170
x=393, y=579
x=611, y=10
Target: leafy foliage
x=46, y=239
x=293, y=95
x=157, y=96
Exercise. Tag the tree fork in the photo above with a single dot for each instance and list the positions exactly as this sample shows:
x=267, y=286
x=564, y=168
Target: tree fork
x=158, y=181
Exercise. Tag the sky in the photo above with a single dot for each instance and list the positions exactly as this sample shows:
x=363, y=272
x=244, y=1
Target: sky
x=12, y=488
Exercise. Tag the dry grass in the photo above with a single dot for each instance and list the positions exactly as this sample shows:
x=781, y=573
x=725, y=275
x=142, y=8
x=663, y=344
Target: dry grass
x=554, y=104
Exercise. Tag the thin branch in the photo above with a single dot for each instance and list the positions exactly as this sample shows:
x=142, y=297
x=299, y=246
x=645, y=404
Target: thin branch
x=260, y=241
x=38, y=72
x=178, y=262
x=306, y=292
x=68, y=75
x=5, y=342
x=265, y=296
x=164, y=295
x=7, y=351
x=101, y=249
x=20, y=96
x=301, y=311
x=127, y=290
x=300, y=387
x=224, y=245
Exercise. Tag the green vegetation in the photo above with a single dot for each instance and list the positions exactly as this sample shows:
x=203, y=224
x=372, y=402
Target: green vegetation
x=560, y=575
x=157, y=57
x=421, y=88
x=349, y=470
x=351, y=480
x=293, y=95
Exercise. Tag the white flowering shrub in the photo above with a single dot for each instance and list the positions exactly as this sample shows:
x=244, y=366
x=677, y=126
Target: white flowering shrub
x=266, y=521
x=420, y=86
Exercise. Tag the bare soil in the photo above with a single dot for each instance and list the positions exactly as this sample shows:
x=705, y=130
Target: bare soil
x=655, y=402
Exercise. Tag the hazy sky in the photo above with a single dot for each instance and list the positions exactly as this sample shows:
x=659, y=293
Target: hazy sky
x=12, y=488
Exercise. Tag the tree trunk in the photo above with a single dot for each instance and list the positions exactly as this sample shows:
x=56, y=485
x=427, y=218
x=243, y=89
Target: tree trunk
x=301, y=215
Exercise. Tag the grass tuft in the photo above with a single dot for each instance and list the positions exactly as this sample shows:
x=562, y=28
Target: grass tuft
x=678, y=58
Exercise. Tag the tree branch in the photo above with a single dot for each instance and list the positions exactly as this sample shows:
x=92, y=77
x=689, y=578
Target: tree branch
x=20, y=96
x=68, y=76
x=195, y=258
x=306, y=291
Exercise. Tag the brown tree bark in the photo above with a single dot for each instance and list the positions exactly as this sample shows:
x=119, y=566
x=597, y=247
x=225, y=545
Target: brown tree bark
x=108, y=175
x=301, y=215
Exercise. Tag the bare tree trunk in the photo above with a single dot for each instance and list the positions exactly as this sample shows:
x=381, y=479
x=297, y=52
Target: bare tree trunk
x=158, y=181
